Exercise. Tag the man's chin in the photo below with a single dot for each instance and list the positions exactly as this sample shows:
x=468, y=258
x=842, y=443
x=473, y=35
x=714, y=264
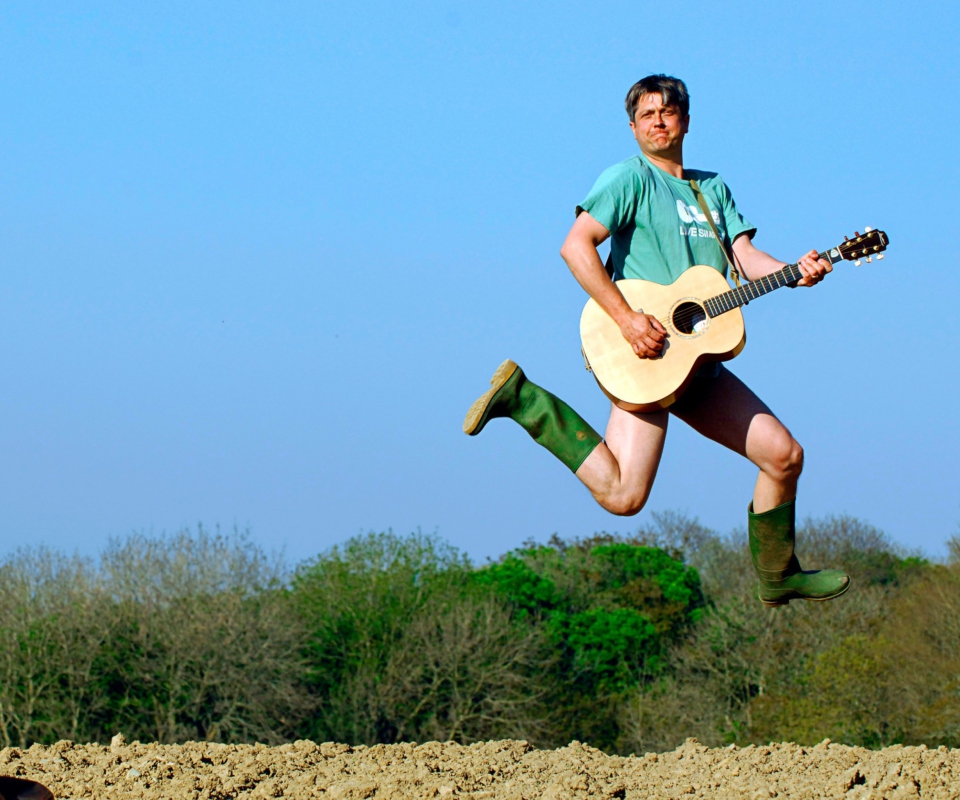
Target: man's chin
x=660, y=149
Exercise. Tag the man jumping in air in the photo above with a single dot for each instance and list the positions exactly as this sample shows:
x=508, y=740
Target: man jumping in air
x=646, y=204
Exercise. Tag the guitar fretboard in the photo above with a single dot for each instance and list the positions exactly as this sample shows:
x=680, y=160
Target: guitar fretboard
x=751, y=290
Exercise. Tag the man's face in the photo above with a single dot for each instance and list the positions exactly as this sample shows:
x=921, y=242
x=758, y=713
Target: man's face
x=658, y=129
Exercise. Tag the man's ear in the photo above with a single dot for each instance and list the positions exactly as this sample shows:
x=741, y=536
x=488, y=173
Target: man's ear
x=686, y=124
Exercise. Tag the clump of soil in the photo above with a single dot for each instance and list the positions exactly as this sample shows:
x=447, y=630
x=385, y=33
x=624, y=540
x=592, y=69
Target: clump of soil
x=506, y=770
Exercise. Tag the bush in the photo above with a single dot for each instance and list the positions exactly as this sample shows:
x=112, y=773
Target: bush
x=168, y=638
x=752, y=674
x=403, y=645
x=205, y=645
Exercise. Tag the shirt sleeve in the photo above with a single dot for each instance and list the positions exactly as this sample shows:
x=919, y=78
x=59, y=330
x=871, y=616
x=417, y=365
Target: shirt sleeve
x=613, y=199
x=734, y=221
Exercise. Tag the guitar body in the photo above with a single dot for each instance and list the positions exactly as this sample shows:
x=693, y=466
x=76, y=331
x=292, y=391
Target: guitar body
x=693, y=338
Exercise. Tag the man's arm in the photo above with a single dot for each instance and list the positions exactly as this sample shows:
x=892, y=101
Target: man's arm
x=644, y=333
x=755, y=263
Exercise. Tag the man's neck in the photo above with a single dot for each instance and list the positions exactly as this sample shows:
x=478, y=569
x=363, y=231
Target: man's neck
x=671, y=163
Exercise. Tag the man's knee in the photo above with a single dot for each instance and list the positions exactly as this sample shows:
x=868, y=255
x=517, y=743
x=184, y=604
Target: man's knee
x=625, y=504
x=786, y=459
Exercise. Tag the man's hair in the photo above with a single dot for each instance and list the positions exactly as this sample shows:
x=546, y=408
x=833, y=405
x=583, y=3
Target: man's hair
x=672, y=91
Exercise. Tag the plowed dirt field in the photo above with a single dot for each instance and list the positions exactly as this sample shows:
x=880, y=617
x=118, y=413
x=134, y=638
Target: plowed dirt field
x=509, y=770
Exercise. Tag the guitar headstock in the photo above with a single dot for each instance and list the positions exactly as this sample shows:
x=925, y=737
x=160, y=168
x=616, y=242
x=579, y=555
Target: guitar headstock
x=868, y=244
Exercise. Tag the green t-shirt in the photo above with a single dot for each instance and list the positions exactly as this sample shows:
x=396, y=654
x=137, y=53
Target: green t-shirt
x=657, y=229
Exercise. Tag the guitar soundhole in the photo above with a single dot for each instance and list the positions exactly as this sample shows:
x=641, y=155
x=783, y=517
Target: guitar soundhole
x=689, y=318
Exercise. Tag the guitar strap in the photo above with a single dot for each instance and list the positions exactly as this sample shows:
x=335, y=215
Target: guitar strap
x=702, y=201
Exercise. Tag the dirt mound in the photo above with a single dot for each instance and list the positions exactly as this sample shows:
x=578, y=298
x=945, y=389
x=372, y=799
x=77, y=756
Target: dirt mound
x=506, y=770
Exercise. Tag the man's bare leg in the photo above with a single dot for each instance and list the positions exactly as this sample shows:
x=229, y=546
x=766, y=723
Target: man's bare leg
x=726, y=410
x=620, y=472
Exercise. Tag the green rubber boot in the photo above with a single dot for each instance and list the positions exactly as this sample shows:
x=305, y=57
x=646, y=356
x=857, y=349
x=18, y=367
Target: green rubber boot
x=772, y=535
x=550, y=421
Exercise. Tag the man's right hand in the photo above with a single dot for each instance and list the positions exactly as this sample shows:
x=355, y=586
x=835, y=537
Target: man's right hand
x=644, y=333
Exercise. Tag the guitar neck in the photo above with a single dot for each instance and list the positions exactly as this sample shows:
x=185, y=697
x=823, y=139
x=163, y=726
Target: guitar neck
x=751, y=290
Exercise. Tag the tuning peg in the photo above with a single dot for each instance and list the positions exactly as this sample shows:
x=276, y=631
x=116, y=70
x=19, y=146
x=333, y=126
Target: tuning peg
x=880, y=257
x=856, y=263
x=869, y=259
x=867, y=229
x=856, y=233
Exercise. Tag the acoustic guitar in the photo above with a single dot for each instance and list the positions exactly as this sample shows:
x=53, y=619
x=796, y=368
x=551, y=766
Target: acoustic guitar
x=702, y=316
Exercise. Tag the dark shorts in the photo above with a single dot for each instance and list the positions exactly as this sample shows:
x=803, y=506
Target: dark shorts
x=711, y=369
x=701, y=384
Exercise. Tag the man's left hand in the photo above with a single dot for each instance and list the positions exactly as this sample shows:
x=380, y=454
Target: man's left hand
x=814, y=269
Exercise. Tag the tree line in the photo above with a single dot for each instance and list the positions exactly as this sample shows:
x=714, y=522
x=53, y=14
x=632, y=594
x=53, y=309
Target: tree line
x=630, y=643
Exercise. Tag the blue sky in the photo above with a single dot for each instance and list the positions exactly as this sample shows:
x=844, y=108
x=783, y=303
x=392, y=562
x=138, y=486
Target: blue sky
x=258, y=259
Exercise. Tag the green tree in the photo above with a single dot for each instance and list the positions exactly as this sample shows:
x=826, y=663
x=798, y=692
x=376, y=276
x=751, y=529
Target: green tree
x=610, y=608
x=845, y=696
x=922, y=637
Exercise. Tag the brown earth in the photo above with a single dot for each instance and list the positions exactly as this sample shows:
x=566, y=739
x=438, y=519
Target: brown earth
x=510, y=770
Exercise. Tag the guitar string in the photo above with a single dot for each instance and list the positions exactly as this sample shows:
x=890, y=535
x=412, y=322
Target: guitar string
x=688, y=316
